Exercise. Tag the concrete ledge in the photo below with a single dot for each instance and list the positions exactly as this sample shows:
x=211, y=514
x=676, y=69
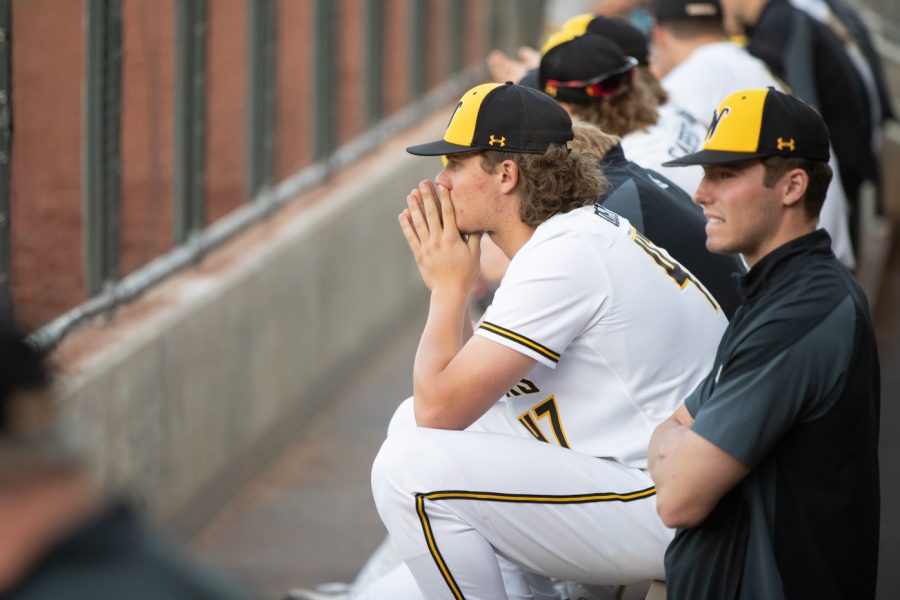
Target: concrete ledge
x=172, y=396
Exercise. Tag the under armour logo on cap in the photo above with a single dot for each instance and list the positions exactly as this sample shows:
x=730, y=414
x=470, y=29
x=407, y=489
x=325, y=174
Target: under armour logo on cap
x=783, y=144
x=501, y=141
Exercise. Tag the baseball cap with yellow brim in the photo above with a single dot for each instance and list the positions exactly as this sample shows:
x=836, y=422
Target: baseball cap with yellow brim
x=502, y=116
x=759, y=123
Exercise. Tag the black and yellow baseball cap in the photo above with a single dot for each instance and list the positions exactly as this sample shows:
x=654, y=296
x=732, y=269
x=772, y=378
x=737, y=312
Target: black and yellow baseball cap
x=758, y=123
x=502, y=116
x=584, y=68
x=625, y=35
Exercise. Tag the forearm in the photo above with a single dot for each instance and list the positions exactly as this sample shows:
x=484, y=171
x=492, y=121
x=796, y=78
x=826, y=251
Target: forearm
x=663, y=466
x=447, y=329
x=691, y=473
x=665, y=437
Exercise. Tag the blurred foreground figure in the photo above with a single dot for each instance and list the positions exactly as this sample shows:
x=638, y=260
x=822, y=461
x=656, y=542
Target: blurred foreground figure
x=59, y=537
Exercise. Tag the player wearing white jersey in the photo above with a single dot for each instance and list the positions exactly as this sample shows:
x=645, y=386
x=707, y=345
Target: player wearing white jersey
x=594, y=337
x=576, y=286
x=673, y=135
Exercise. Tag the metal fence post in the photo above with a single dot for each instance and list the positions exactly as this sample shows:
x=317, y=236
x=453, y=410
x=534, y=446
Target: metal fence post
x=374, y=60
x=492, y=21
x=418, y=48
x=101, y=155
x=530, y=23
x=457, y=36
x=190, y=119
x=6, y=306
x=325, y=72
x=262, y=22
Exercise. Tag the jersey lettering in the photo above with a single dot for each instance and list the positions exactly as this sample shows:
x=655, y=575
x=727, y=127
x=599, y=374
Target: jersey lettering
x=606, y=214
x=523, y=388
x=546, y=408
x=671, y=267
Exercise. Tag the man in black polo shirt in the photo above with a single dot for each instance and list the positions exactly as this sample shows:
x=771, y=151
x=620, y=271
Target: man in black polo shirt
x=770, y=469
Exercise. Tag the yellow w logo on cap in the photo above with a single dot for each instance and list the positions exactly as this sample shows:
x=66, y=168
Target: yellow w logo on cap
x=716, y=119
x=501, y=141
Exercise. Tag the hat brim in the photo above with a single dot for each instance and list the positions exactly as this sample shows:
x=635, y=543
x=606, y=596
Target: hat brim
x=713, y=157
x=439, y=148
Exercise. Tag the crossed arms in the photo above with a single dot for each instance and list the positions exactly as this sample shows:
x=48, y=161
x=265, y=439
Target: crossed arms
x=691, y=474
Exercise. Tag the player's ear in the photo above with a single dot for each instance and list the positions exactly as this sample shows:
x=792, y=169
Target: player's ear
x=795, y=183
x=508, y=171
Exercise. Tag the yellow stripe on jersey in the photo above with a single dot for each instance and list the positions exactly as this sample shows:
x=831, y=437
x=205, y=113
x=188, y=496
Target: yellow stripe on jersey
x=502, y=497
x=521, y=339
x=541, y=499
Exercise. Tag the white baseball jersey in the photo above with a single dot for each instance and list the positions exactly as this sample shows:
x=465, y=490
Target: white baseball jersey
x=621, y=332
x=675, y=134
x=621, y=335
x=713, y=72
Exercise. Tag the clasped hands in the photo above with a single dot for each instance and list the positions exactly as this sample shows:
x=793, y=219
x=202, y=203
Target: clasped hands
x=445, y=257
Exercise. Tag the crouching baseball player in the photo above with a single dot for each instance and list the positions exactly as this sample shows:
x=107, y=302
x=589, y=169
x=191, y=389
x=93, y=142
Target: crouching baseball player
x=594, y=337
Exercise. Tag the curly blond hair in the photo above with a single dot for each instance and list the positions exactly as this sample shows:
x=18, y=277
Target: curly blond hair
x=591, y=138
x=557, y=181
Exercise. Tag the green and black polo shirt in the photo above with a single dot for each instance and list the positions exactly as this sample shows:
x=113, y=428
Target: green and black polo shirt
x=794, y=395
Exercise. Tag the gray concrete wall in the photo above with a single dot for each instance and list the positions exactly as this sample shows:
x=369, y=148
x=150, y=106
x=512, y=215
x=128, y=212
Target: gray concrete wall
x=188, y=387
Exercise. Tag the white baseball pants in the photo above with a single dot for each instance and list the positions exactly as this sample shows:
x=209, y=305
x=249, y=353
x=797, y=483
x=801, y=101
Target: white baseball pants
x=458, y=504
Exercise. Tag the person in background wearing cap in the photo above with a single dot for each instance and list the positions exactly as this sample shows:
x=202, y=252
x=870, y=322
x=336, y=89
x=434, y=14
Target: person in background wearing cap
x=60, y=537
x=595, y=81
x=626, y=36
x=634, y=12
x=520, y=459
x=699, y=65
x=769, y=469
x=811, y=59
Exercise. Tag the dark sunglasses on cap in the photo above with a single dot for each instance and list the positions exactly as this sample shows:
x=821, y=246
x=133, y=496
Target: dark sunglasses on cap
x=605, y=84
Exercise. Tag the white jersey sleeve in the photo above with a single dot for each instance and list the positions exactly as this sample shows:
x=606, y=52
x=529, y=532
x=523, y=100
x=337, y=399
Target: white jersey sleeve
x=546, y=299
